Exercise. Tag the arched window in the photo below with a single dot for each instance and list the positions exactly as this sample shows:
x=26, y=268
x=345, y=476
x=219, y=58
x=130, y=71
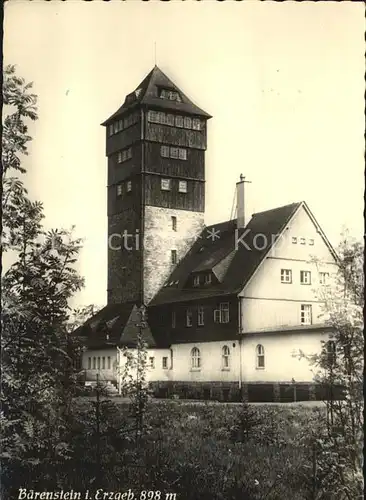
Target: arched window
x=260, y=356
x=331, y=352
x=195, y=358
x=225, y=357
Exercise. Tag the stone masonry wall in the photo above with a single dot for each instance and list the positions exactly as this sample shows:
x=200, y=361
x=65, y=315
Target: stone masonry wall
x=160, y=239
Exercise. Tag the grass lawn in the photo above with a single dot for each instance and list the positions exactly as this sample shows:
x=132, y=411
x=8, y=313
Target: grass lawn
x=208, y=450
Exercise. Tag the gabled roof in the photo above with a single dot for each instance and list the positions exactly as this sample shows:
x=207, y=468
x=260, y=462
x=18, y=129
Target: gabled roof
x=115, y=324
x=245, y=259
x=147, y=94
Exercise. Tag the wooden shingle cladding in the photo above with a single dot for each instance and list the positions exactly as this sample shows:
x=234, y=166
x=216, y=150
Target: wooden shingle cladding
x=160, y=319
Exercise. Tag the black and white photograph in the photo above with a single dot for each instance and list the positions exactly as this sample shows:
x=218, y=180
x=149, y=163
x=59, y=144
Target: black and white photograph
x=182, y=250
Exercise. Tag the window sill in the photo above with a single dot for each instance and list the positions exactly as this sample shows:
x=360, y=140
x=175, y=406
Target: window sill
x=195, y=369
x=286, y=282
x=260, y=368
x=225, y=369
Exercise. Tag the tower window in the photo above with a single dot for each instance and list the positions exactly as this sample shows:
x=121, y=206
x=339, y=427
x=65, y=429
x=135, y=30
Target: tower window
x=173, y=152
x=165, y=184
x=124, y=155
x=111, y=129
x=294, y=240
x=172, y=95
x=179, y=121
x=129, y=186
x=174, y=256
x=116, y=129
x=302, y=241
x=170, y=120
x=174, y=223
x=119, y=189
x=182, y=186
x=196, y=124
x=187, y=122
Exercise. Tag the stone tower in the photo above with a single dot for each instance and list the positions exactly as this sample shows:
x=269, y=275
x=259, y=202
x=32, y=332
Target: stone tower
x=155, y=144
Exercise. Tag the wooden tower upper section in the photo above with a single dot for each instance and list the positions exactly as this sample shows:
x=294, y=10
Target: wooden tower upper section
x=155, y=144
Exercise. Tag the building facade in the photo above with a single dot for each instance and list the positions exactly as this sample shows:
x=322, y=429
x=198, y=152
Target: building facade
x=228, y=306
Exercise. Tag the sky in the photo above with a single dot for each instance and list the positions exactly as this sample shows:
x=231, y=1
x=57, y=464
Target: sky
x=284, y=82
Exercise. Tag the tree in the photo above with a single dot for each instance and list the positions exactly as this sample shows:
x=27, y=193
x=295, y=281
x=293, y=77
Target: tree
x=37, y=382
x=340, y=364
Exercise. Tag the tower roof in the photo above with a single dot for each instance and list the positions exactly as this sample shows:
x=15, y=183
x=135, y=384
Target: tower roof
x=147, y=93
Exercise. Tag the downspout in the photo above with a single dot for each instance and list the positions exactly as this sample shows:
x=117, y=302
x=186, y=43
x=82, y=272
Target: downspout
x=240, y=344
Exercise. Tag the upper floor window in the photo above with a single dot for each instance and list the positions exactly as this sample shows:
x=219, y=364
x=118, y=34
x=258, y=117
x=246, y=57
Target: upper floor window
x=189, y=317
x=119, y=125
x=182, y=188
x=305, y=277
x=286, y=276
x=225, y=357
x=165, y=184
x=201, y=316
x=174, y=223
x=152, y=362
x=196, y=280
x=323, y=278
x=195, y=358
x=119, y=189
x=294, y=240
x=165, y=362
x=306, y=314
x=311, y=242
x=174, y=256
x=302, y=241
x=164, y=151
x=111, y=131
x=260, y=356
x=221, y=315
x=129, y=186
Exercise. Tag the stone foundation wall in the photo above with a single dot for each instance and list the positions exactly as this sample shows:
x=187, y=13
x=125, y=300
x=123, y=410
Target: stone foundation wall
x=251, y=392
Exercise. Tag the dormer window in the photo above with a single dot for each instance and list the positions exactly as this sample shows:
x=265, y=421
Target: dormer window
x=196, y=281
x=208, y=279
x=171, y=95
